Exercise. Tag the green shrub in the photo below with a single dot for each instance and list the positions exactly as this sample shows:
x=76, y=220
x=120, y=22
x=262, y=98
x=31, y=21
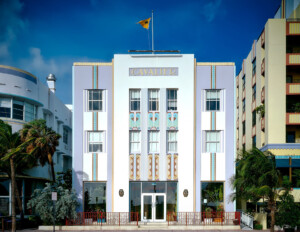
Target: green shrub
x=258, y=227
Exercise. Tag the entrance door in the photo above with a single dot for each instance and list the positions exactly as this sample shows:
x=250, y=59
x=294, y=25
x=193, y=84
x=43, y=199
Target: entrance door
x=154, y=207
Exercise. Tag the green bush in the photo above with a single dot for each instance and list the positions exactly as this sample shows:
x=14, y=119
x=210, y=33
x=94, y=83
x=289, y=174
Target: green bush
x=258, y=227
x=42, y=205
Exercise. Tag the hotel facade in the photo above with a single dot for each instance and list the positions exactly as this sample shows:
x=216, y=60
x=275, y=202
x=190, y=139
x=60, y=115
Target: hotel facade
x=268, y=93
x=153, y=134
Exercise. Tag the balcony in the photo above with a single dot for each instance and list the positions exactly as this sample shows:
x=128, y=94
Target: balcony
x=293, y=59
x=254, y=79
x=263, y=124
x=263, y=39
x=292, y=118
x=263, y=67
x=292, y=88
x=293, y=28
x=263, y=95
x=253, y=130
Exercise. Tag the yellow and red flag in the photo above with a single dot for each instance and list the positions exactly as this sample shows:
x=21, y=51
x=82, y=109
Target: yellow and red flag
x=145, y=23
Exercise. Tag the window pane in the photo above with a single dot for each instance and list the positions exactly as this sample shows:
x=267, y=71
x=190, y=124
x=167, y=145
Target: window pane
x=18, y=108
x=94, y=197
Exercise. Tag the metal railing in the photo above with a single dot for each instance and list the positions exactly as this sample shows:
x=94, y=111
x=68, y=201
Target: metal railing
x=105, y=218
x=247, y=220
x=203, y=218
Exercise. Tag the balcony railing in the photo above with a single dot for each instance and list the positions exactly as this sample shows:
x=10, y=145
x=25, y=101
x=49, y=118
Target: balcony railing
x=263, y=95
x=263, y=39
x=293, y=28
x=293, y=59
x=263, y=67
x=292, y=88
x=263, y=124
x=292, y=118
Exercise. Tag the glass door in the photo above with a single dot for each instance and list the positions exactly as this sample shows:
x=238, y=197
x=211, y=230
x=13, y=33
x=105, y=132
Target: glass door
x=153, y=207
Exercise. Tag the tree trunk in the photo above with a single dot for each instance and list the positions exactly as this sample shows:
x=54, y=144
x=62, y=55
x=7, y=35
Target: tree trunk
x=19, y=201
x=272, y=208
x=13, y=197
x=52, y=166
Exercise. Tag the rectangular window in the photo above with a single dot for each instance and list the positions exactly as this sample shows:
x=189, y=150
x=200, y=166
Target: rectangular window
x=172, y=99
x=244, y=82
x=96, y=141
x=18, y=110
x=253, y=93
x=254, y=141
x=135, y=141
x=172, y=141
x=153, y=100
x=254, y=67
x=213, y=141
x=254, y=118
x=212, y=100
x=95, y=100
x=135, y=99
x=29, y=112
x=244, y=128
x=5, y=107
x=65, y=136
x=244, y=105
x=94, y=197
x=212, y=196
x=153, y=141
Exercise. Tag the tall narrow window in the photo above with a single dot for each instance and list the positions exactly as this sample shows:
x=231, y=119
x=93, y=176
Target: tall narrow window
x=135, y=141
x=135, y=99
x=253, y=92
x=254, y=67
x=95, y=100
x=254, y=118
x=65, y=136
x=18, y=110
x=153, y=100
x=96, y=141
x=213, y=141
x=244, y=128
x=244, y=105
x=172, y=141
x=5, y=107
x=244, y=82
x=254, y=141
x=172, y=99
x=153, y=141
x=212, y=100
x=29, y=112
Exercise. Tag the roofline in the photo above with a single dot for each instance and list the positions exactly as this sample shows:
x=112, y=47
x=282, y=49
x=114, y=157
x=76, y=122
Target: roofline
x=216, y=63
x=92, y=63
x=19, y=70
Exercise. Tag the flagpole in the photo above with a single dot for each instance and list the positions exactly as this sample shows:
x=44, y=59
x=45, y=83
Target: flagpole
x=152, y=35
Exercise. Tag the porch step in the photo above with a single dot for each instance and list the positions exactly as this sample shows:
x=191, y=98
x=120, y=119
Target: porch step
x=152, y=225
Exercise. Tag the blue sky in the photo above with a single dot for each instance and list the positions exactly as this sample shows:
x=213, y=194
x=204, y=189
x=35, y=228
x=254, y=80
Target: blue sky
x=45, y=37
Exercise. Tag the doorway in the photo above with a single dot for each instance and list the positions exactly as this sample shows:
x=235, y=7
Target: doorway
x=153, y=207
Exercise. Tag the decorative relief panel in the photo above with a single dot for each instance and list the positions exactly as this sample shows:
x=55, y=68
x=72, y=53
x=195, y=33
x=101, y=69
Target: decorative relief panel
x=175, y=177
x=156, y=158
x=134, y=121
x=150, y=177
x=172, y=121
x=153, y=121
x=169, y=166
x=138, y=167
x=131, y=167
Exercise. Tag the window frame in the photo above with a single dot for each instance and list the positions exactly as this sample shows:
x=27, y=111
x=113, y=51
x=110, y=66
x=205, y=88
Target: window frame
x=154, y=100
x=216, y=100
x=153, y=142
x=100, y=142
x=213, y=142
x=172, y=142
x=102, y=91
x=169, y=100
x=131, y=100
x=135, y=142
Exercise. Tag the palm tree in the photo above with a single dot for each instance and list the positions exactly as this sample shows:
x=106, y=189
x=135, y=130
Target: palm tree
x=256, y=178
x=12, y=156
x=44, y=144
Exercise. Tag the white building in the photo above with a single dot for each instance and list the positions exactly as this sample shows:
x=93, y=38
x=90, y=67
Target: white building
x=153, y=128
x=23, y=98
